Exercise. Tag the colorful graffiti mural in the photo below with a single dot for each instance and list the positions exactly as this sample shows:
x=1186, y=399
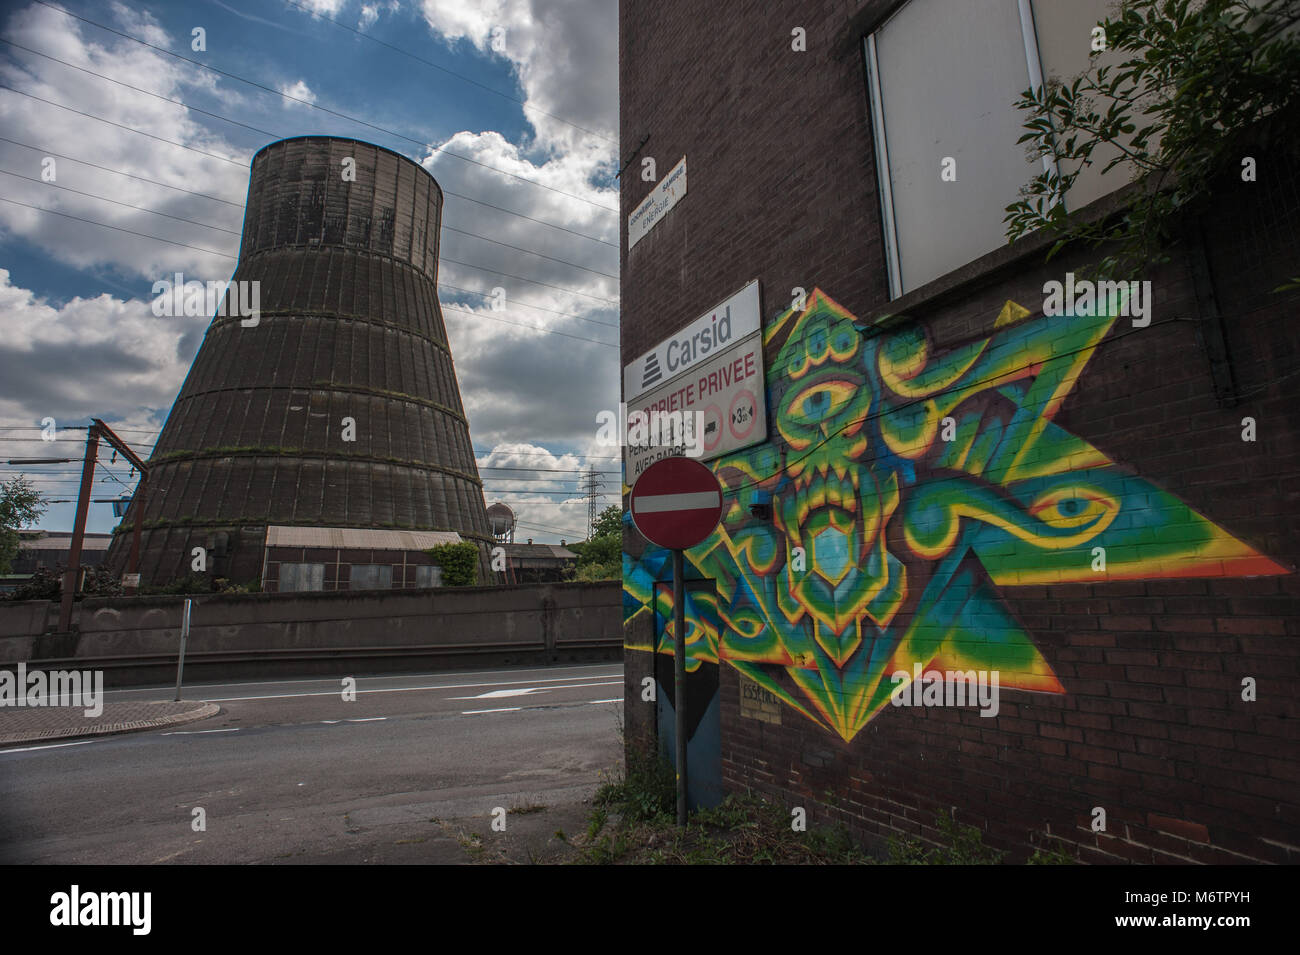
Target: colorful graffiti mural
x=905, y=487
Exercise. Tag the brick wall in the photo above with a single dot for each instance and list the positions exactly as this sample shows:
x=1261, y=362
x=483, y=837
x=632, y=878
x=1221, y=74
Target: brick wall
x=1149, y=721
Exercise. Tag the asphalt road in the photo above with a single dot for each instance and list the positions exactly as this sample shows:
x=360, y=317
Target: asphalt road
x=291, y=772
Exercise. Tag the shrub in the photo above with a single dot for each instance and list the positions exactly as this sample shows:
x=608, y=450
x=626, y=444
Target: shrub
x=459, y=563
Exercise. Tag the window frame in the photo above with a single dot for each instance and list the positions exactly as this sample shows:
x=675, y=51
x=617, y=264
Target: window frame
x=880, y=137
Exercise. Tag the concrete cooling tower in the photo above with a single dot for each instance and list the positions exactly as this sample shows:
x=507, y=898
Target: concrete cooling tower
x=337, y=408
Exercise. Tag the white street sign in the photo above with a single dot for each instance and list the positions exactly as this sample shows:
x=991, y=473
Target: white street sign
x=655, y=206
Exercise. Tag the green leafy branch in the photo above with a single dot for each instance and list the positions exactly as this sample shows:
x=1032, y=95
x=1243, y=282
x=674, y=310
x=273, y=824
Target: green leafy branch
x=1200, y=80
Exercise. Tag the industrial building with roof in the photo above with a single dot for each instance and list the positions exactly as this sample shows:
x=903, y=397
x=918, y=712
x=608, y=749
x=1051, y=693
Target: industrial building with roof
x=337, y=406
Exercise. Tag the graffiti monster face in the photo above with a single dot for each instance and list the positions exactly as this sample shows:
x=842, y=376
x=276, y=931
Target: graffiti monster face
x=906, y=487
x=833, y=508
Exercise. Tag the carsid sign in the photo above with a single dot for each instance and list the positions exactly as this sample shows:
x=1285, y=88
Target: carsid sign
x=715, y=330
x=710, y=373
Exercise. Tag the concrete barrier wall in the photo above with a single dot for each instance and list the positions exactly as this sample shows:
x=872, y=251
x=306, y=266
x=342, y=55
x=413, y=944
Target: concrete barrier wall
x=139, y=636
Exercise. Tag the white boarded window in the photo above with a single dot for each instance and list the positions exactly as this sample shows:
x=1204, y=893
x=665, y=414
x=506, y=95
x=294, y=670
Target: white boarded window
x=943, y=79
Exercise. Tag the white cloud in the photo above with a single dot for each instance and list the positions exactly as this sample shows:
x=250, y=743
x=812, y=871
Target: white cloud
x=326, y=8
x=91, y=356
x=55, y=130
x=99, y=357
x=565, y=53
x=299, y=91
x=547, y=503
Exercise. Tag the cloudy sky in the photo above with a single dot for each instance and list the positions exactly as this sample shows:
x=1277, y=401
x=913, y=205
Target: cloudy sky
x=508, y=103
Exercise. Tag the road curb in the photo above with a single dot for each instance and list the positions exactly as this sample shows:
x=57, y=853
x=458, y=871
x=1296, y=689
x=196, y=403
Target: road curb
x=199, y=711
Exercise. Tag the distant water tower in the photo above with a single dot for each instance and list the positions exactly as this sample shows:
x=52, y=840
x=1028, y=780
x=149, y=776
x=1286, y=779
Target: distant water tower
x=339, y=407
x=502, y=521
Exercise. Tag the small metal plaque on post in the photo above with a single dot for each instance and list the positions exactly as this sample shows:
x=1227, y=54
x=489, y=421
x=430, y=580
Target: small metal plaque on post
x=131, y=580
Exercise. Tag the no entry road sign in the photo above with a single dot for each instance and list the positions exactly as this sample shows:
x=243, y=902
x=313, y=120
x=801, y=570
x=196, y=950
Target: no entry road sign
x=676, y=503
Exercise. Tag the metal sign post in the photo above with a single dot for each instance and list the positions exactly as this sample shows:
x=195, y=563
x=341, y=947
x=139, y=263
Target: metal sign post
x=679, y=679
x=180, y=661
x=676, y=503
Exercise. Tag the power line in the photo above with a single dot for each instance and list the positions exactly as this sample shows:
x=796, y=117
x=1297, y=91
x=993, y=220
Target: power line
x=504, y=467
x=546, y=331
x=545, y=527
x=105, y=225
x=100, y=119
x=116, y=202
x=398, y=49
x=274, y=135
x=165, y=99
x=277, y=135
x=225, y=255
x=447, y=228
x=520, y=278
x=325, y=109
x=119, y=172
x=457, y=195
x=558, y=288
x=590, y=457
x=240, y=205
x=540, y=308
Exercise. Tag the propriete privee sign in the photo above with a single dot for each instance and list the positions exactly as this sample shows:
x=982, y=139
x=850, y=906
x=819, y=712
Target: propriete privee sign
x=717, y=329
x=700, y=393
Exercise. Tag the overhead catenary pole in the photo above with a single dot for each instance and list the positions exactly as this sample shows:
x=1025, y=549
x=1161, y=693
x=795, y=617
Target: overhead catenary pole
x=78, y=530
x=133, y=562
x=137, y=498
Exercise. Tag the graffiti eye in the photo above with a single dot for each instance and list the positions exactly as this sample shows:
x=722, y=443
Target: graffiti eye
x=817, y=344
x=820, y=402
x=843, y=345
x=1073, y=507
x=798, y=362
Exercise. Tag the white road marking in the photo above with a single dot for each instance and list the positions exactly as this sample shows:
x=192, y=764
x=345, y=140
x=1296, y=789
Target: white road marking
x=497, y=694
x=406, y=689
x=214, y=686
x=543, y=706
x=28, y=749
x=233, y=729
x=366, y=719
x=524, y=691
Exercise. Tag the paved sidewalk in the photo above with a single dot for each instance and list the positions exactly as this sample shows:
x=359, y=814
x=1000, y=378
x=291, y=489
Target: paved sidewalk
x=28, y=724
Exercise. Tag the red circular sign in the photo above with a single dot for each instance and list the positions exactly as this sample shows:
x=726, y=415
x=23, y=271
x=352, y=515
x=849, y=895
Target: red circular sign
x=676, y=503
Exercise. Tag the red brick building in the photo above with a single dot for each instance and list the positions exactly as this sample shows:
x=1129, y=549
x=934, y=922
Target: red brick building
x=1099, y=506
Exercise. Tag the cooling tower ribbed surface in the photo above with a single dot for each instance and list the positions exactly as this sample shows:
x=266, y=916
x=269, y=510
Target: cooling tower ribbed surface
x=350, y=328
